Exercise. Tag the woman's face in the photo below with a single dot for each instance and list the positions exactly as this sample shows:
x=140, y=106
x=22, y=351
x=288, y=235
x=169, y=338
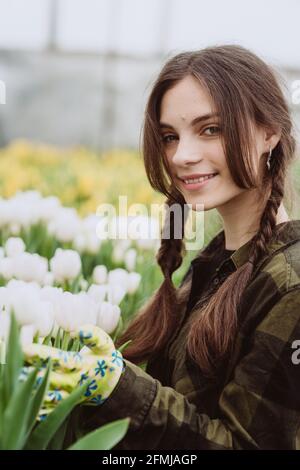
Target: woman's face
x=195, y=148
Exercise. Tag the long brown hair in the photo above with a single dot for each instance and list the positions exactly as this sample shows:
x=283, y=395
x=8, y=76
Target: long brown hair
x=244, y=89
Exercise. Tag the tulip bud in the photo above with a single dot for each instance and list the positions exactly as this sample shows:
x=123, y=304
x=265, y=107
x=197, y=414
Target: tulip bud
x=108, y=317
x=116, y=293
x=97, y=293
x=65, y=265
x=130, y=259
x=14, y=246
x=100, y=274
x=134, y=280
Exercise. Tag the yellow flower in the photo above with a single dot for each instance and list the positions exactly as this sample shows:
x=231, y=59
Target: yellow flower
x=79, y=177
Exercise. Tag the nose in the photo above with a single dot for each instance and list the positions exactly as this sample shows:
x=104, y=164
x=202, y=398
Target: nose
x=186, y=153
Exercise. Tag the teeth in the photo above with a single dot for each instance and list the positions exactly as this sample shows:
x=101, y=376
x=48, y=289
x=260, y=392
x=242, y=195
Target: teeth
x=198, y=180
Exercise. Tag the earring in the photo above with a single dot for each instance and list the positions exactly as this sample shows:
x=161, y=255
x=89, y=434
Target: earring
x=269, y=159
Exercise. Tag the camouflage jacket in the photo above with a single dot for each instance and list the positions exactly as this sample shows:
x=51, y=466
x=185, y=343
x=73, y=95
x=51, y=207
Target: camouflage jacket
x=254, y=403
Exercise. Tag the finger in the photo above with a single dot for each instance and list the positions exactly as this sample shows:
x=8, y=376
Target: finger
x=67, y=382
x=96, y=339
x=38, y=355
x=51, y=401
x=99, y=389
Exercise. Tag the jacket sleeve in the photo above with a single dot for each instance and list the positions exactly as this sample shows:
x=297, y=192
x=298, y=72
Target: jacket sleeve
x=259, y=408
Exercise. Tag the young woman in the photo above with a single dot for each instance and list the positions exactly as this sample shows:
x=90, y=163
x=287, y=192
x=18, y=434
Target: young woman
x=221, y=350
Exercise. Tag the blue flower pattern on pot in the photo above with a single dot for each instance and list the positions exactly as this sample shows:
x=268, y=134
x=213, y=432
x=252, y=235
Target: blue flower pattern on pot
x=98, y=400
x=117, y=358
x=83, y=378
x=92, y=386
x=55, y=395
x=84, y=336
x=101, y=368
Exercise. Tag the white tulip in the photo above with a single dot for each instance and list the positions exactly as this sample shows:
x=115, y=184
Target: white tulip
x=55, y=329
x=30, y=267
x=65, y=313
x=90, y=223
x=93, y=243
x=130, y=259
x=79, y=243
x=118, y=254
x=4, y=325
x=45, y=318
x=116, y=293
x=89, y=308
x=100, y=274
x=66, y=225
x=6, y=268
x=26, y=335
x=108, y=317
x=16, y=283
x=75, y=310
x=134, y=280
x=53, y=295
x=119, y=250
x=65, y=265
x=4, y=299
x=97, y=292
x=25, y=304
x=48, y=208
x=14, y=246
x=118, y=276
x=83, y=284
x=48, y=279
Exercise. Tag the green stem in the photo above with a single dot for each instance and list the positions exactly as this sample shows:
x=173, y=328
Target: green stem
x=2, y=352
x=66, y=339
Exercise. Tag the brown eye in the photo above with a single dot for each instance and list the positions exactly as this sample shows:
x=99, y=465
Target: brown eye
x=215, y=130
x=167, y=138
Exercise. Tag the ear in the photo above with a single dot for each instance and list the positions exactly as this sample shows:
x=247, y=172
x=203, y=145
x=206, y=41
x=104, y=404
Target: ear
x=270, y=139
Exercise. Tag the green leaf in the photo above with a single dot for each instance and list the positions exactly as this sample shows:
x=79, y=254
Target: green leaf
x=47, y=339
x=57, y=441
x=57, y=340
x=15, y=360
x=124, y=346
x=118, y=329
x=103, y=438
x=46, y=429
x=37, y=399
x=2, y=408
x=16, y=414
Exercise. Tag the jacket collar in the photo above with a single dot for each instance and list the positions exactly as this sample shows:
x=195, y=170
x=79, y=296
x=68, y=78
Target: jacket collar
x=285, y=234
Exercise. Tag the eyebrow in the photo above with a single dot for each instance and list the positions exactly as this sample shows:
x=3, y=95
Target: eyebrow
x=194, y=122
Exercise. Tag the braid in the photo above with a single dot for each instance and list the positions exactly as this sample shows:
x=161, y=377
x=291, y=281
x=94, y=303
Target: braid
x=268, y=218
x=156, y=321
x=172, y=250
x=207, y=343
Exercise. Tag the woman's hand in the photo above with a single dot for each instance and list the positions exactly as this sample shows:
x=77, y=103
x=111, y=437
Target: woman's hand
x=98, y=363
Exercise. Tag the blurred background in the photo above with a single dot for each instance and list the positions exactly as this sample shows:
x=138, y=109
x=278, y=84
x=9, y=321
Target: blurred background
x=75, y=76
x=78, y=72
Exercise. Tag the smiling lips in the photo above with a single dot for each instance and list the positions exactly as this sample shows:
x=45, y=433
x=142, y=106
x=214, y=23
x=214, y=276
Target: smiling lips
x=197, y=178
x=193, y=184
